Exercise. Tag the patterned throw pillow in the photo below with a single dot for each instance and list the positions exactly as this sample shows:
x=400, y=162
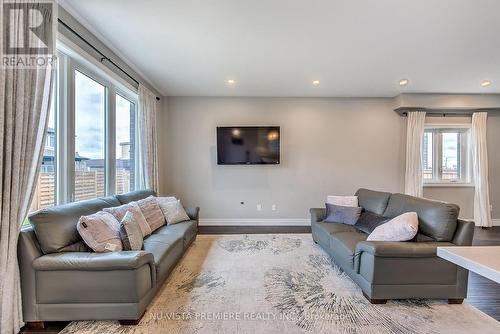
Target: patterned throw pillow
x=401, y=228
x=343, y=200
x=152, y=212
x=120, y=211
x=130, y=233
x=101, y=232
x=174, y=212
x=342, y=214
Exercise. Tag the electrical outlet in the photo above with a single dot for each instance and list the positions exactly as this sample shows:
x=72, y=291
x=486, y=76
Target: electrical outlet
x=259, y=207
x=273, y=207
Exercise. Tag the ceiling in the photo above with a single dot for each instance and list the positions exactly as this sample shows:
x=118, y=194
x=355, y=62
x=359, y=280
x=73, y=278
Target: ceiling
x=278, y=47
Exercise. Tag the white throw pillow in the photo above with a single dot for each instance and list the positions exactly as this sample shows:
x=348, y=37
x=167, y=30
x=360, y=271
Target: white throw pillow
x=351, y=201
x=101, y=232
x=401, y=228
x=173, y=211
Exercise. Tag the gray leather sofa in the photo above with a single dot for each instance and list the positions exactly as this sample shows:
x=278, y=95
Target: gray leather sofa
x=399, y=270
x=62, y=280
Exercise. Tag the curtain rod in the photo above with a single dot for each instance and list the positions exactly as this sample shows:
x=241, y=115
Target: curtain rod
x=103, y=56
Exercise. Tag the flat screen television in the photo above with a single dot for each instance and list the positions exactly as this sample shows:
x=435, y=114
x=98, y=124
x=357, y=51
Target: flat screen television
x=248, y=145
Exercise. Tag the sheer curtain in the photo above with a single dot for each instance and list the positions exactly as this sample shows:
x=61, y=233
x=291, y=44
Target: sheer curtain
x=414, y=137
x=482, y=212
x=148, y=165
x=24, y=107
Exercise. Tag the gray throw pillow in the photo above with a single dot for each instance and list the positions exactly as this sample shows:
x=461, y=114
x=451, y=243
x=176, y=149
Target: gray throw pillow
x=368, y=221
x=342, y=214
x=130, y=233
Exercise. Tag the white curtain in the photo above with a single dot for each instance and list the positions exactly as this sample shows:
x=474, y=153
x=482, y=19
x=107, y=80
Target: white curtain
x=148, y=166
x=24, y=105
x=414, y=136
x=482, y=213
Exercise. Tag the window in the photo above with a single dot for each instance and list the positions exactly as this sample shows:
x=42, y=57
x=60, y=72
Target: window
x=446, y=155
x=90, y=148
x=125, y=145
x=90, y=106
x=45, y=188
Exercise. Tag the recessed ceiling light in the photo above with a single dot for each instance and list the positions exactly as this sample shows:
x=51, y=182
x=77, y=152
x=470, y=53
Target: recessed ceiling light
x=231, y=81
x=315, y=82
x=485, y=83
x=404, y=82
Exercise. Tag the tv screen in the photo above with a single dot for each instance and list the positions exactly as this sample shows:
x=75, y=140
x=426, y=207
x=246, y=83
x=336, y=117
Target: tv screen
x=248, y=145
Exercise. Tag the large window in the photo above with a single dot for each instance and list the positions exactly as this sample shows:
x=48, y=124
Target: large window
x=90, y=148
x=125, y=145
x=90, y=99
x=446, y=155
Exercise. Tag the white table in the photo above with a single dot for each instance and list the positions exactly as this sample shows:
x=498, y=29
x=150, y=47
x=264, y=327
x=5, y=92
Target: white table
x=483, y=260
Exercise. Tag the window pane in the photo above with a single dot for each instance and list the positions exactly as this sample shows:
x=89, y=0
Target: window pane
x=45, y=191
x=125, y=145
x=428, y=155
x=451, y=156
x=89, y=137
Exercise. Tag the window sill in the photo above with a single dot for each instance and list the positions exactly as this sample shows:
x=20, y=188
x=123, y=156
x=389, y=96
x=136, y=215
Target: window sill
x=449, y=185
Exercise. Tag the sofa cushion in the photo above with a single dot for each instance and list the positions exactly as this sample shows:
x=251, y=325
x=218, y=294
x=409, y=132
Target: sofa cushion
x=166, y=250
x=101, y=232
x=342, y=214
x=55, y=227
x=343, y=247
x=152, y=212
x=374, y=201
x=437, y=220
x=132, y=207
x=134, y=196
x=186, y=230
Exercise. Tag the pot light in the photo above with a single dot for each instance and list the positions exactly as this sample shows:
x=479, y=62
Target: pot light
x=485, y=83
x=404, y=82
x=231, y=81
x=315, y=82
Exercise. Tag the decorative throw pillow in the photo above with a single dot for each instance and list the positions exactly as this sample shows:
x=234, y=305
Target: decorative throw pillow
x=120, y=211
x=152, y=212
x=101, y=232
x=174, y=212
x=130, y=233
x=401, y=228
x=163, y=200
x=342, y=214
x=368, y=221
x=343, y=200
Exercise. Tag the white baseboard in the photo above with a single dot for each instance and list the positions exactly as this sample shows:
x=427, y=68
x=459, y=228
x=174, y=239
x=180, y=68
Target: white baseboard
x=254, y=222
x=496, y=222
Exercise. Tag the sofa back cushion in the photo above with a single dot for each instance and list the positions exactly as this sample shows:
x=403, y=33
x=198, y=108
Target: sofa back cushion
x=135, y=196
x=437, y=220
x=373, y=201
x=55, y=227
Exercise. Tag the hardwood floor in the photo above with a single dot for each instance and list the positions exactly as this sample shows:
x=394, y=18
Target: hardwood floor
x=482, y=294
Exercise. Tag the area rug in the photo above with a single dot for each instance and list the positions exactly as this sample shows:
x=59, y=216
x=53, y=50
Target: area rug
x=279, y=284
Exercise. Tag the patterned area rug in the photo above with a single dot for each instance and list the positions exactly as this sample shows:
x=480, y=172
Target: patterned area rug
x=279, y=284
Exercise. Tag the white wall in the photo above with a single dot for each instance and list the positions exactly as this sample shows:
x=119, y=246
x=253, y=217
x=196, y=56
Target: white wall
x=328, y=146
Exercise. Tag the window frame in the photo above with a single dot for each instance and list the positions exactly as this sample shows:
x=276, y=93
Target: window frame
x=72, y=59
x=437, y=180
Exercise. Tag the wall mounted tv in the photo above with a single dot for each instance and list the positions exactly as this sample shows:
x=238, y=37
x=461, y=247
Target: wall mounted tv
x=248, y=145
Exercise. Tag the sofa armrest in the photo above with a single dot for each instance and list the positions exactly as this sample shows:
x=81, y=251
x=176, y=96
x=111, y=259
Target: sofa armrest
x=400, y=249
x=193, y=213
x=317, y=215
x=464, y=233
x=125, y=260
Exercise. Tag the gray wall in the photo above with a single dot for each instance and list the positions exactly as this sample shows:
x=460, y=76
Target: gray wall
x=329, y=146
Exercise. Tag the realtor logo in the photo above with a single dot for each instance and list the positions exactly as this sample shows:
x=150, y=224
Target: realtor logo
x=28, y=33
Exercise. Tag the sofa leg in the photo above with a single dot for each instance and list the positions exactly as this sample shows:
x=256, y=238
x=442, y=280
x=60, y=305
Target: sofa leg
x=375, y=301
x=36, y=325
x=456, y=301
x=129, y=322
